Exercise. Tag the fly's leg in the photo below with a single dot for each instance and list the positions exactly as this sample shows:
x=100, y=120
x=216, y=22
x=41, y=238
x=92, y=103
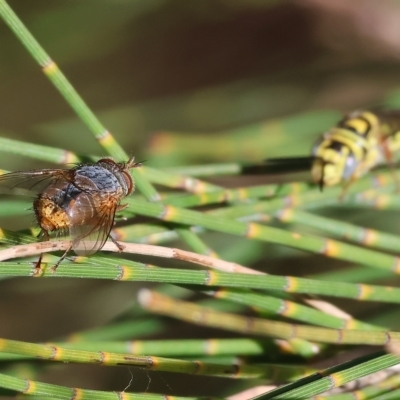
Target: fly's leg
x=346, y=186
x=38, y=271
x=61, y=259
x=122, y=207
x=119, y=245
x=361, y=170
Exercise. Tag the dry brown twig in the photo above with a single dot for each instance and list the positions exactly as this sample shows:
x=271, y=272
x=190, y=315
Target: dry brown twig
x=32, y=249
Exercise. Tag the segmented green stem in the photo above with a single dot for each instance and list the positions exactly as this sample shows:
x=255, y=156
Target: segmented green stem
x=199, y=315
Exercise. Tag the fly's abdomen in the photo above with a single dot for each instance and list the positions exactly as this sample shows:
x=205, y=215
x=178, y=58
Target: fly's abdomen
x=64, y=195
x=50, y=207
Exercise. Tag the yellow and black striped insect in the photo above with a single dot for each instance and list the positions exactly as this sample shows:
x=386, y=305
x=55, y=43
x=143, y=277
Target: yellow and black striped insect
x=361, y=141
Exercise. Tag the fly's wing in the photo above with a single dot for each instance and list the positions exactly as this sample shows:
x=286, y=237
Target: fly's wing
x=91, y=219
x=26, y=182
x=279, y=165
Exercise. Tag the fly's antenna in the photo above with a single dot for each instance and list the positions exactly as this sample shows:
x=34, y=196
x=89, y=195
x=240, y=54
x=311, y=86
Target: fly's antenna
x=132, y=164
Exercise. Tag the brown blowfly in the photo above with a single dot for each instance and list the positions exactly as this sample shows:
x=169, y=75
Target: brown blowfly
x=81, y=201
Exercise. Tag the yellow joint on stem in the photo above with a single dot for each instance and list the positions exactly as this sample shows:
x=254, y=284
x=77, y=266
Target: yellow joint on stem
x=50, y=67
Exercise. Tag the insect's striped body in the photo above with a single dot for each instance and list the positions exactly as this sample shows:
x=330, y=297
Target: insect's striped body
x=348, y=150
x=361, y=141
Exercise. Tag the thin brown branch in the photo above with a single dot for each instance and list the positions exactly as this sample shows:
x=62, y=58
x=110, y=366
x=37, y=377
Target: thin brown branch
x=38, y=248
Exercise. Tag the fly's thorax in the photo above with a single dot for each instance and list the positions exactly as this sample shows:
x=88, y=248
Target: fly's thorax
x=121, y=173
x=98, y=178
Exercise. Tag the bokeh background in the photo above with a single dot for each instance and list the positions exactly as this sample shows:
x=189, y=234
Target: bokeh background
x=195, y=67
x=180, y=82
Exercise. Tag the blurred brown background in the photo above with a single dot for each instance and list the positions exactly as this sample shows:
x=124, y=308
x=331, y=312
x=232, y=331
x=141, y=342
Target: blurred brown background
x=199, y=66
